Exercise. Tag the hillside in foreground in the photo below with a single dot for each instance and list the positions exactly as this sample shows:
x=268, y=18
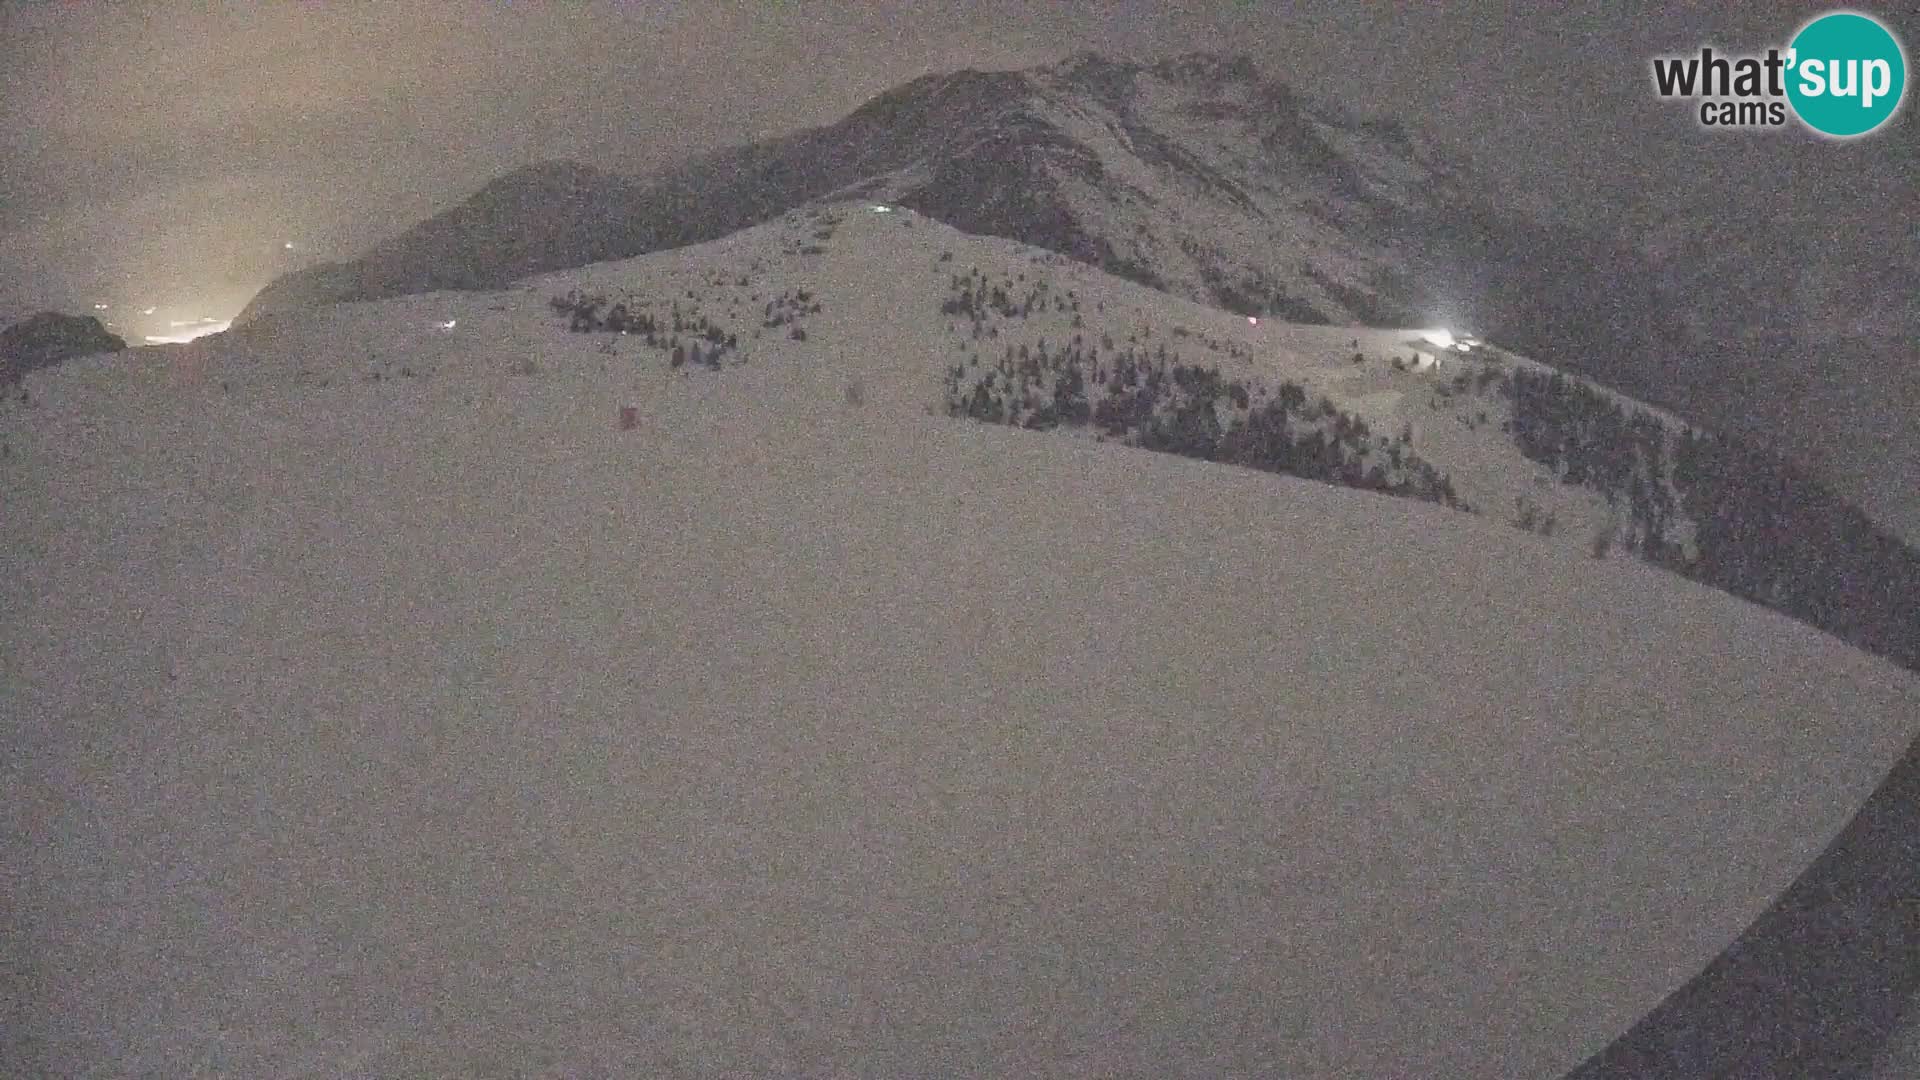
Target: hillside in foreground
x=383, y=706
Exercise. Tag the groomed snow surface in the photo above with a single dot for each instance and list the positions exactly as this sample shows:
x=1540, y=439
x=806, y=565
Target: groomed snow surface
x=437, y=727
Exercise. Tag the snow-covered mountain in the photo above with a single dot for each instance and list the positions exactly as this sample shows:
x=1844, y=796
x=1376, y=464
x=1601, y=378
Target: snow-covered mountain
x=1207, y=178
x=657, y=668
x=1485, y=430
x=1196, y=175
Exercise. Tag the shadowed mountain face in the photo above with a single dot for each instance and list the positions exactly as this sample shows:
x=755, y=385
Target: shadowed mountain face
x=1194, y=175
x=48, y=338
x=538, y=218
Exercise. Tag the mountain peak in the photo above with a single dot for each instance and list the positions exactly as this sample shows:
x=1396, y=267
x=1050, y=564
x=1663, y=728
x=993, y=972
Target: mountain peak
x=1107, y=79
x=1193, y=70
x=1207, y=68
x=1070, y=156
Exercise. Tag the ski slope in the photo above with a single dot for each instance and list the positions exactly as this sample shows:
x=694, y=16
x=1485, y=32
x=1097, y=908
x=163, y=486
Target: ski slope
x=436, y=726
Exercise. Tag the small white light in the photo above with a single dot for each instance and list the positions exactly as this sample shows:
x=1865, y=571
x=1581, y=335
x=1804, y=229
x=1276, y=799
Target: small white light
x=449, y=324
x=1251, y=321
x=288, y=245
x=1441, y=337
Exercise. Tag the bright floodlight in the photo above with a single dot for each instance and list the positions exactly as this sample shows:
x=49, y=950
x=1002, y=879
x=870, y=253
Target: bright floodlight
x=1441, y=337
x=1251, y=321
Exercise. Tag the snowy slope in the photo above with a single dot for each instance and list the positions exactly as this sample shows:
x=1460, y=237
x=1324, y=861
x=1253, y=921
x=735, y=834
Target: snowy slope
x=433, y=725
x=1203, y=176
x=880, y=285
x=1010, y=329
x=881, y=280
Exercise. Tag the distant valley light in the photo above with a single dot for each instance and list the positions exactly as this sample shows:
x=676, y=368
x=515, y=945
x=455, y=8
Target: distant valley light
x=196, y=329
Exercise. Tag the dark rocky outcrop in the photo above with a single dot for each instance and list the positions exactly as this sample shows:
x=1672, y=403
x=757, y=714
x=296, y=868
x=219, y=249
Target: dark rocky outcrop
x=48, y=338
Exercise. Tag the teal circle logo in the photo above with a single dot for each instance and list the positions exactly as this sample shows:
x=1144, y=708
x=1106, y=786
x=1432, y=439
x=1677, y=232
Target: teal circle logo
x=1846, y=74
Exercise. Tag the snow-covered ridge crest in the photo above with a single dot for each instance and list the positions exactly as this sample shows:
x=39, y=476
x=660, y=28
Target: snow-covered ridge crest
x=450, y=723
x=979, y=327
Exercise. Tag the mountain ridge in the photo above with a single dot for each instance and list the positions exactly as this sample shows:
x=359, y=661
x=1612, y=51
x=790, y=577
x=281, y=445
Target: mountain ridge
x=1597, y=465
x=1199, y=175
x=925, y=135
x=1194, y=174
x=525, y=612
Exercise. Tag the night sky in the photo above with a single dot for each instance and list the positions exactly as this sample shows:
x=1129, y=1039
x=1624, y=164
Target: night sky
x=156, y=155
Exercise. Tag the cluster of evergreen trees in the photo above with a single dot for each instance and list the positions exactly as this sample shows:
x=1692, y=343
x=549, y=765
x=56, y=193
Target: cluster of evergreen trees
x=1768, y=532
x=686, y=338
x=1590, y=441
x=788, y=308
x=973, y=296
x=1153, y=401
x=1762, y=529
